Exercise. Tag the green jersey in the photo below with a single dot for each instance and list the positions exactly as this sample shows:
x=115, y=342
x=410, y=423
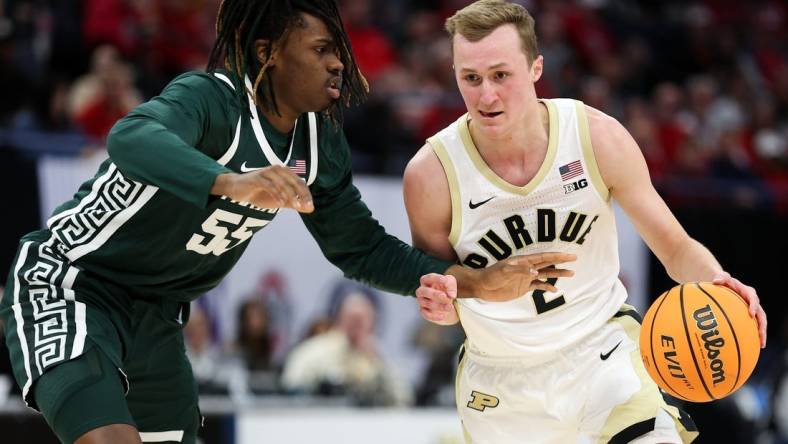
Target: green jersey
x=148, y=222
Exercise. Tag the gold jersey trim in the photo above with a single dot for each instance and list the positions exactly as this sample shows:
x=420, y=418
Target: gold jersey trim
x=588, y=152
x=454, y=188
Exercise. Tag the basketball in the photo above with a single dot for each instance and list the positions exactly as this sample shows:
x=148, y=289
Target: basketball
x=698, y=341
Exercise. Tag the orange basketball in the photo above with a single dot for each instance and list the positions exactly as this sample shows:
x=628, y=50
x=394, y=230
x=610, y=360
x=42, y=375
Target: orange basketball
x=698, y=341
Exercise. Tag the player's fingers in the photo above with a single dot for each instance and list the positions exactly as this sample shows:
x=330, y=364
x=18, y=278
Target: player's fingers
x=755, y=305
x=431, y=304
x=298, y=195
x=520, y=266
x=762, y=324
x=284, y=180
x=550, y=258
x=542, y=285
x=450, y=285
x=432, y=295
x=272, y=195
x=721, y=278
x=751, y=297
x=423, y=295
x=432, y=280
x=554, y=273
x=432, y=316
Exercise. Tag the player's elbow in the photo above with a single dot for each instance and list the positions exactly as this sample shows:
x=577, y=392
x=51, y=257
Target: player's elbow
x=121, y=136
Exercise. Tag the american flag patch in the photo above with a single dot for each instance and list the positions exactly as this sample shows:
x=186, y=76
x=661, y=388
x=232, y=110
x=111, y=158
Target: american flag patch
x=298, y=166
x=570, y=170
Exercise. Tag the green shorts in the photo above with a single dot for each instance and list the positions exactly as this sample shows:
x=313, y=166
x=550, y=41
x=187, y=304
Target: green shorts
x=87, y=353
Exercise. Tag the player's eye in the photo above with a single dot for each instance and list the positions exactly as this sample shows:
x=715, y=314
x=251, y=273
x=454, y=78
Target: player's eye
x=472, y=78
x=500, y=75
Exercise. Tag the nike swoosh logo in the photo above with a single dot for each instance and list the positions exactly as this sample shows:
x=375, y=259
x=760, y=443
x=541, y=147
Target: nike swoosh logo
x=604, y=356
x=477, y=205
x=245, y=169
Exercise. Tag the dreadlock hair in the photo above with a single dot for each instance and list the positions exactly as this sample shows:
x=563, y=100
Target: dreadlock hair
x=240, y=22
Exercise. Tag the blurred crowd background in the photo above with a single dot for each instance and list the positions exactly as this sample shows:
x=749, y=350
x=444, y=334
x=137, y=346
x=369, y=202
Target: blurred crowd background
x=701, y=85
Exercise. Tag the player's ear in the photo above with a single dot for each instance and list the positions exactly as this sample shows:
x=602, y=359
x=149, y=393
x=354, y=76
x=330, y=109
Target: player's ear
x=537, y=68
x=261, y=51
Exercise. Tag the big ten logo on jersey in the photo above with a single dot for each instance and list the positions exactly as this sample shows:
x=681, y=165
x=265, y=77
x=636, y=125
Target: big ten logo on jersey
x=480, y=401
x=229, y=224
x=574, y=186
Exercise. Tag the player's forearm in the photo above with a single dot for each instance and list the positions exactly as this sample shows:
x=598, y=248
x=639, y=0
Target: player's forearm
x=467, y=281
x=692, y=262
x=355, y=242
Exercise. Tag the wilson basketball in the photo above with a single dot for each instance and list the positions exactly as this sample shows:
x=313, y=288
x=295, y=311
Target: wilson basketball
x=698, y=341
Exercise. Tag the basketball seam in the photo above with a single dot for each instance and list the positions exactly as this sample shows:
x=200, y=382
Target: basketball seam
x=651, y=345
x=689, y=342
x=735, y=338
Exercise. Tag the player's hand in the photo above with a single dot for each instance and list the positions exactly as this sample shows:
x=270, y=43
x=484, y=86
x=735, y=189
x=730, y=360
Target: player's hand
x=436, y=296
x=270, y=187
x=513, y=277
x=750, y=296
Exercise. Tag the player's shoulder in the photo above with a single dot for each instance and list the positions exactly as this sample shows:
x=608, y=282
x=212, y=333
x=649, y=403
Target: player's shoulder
x=605, y=131
x=218, y=85
x=424, y=170
x=601, y=124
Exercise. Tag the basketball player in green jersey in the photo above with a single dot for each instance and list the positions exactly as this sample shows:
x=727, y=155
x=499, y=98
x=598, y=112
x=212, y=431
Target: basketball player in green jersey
x=519, y=175
x=95, y=303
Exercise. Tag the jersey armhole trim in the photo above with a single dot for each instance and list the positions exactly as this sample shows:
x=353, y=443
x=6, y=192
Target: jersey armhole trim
x=225, y=79
x=454, y=188
x=588, y=151
x=312, y=148
x=228, y=155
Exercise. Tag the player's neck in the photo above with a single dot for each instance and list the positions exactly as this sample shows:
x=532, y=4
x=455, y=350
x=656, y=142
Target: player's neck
x=284, y=121
x=516, y=157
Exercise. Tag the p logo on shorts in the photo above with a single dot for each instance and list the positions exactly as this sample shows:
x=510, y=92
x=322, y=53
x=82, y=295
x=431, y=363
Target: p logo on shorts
x=480, y=401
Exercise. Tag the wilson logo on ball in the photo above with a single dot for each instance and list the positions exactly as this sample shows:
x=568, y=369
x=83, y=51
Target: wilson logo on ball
x=712, y=342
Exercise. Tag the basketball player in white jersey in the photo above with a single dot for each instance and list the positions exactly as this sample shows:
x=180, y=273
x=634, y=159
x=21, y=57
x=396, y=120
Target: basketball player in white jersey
x=521, y=175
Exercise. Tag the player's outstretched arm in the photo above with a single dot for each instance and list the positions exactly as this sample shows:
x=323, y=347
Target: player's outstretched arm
x=624, y=172
x=428, y=203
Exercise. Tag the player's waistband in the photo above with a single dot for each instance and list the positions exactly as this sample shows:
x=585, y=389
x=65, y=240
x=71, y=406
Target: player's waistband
x=548, y=357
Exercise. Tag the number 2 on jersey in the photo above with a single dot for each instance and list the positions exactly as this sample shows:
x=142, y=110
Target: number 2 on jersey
x=543, y=305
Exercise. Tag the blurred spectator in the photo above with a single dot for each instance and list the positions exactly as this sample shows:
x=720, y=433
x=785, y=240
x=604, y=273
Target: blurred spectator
x=113, y=22
x=441, y=344
x=254, y=347
x=275, y=306
x=254, y=342
x=345, y=360
x=373, y=50
x=318, y=326
x=104, y=95
x=214, y=371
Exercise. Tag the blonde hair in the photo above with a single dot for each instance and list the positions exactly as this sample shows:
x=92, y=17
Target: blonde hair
x=479, y=19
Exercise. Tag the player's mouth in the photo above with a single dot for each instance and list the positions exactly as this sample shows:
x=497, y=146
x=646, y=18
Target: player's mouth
x=334, y=87
x=490, y=115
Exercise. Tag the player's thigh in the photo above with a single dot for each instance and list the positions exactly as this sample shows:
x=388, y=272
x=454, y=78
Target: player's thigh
x=504, y=404
x=163, y=394
x=626, y=404
x=81, y=395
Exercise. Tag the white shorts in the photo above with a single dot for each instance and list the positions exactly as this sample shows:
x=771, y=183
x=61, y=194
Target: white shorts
x=596, y=391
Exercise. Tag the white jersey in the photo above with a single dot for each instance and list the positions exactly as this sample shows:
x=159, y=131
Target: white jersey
x=564, y=208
